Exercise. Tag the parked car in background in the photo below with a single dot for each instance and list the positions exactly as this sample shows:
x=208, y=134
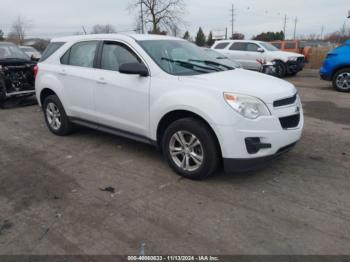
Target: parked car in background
x=31, y=52
x=336, y=67
x=222, y=58
x=295, y=46
x=170, y=93
x=248, y=53
x=16, y=72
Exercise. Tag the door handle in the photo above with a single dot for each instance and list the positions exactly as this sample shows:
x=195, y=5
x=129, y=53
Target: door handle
x=63, y=72
x=101, y=81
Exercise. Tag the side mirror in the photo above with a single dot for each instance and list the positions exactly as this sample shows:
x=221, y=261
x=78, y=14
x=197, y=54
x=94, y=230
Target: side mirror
x=134, y=69
x=261, y=50
x=34, y=59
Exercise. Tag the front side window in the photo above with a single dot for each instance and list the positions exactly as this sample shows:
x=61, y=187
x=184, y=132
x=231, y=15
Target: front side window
x=115, y=54
x=178, y=57
x=81, y=54
x=238, y=46
x=252, y=47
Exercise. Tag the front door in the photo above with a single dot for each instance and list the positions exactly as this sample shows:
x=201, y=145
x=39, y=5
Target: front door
x=121, y=101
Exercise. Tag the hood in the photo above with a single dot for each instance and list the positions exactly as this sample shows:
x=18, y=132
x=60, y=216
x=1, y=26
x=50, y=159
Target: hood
x=285, y=54
x=240, y=81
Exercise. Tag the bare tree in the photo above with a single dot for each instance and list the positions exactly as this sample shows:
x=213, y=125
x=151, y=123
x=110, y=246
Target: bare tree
x=160, y=14
x=103, y=29
x=19, y=30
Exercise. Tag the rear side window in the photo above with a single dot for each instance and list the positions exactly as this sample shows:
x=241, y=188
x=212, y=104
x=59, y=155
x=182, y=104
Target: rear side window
x=51, y=48
x=81, y=54
x=221, y=45
x=239, y=47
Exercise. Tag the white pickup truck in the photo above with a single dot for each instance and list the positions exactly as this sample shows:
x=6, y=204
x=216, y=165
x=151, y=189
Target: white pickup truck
x=249, y=53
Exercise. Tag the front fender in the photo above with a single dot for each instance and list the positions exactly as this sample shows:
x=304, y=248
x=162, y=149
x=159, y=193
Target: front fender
x=211, y=107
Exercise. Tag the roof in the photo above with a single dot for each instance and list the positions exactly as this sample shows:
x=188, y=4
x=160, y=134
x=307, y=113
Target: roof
x=137, y=37
x=244, y=41
x=347, y=42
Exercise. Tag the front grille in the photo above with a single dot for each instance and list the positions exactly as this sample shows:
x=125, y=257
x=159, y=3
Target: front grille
x=285, y=102
x=290, y=121
x=301, y=60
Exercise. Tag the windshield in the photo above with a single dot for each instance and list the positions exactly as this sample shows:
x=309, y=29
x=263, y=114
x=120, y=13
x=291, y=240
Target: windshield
x=269, y=47
x=178, y=57
x=12, y=52
x=28, y=49
x=221, y=58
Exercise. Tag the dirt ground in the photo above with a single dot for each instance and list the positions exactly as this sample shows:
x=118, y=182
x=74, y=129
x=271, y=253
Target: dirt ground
x=51, y=202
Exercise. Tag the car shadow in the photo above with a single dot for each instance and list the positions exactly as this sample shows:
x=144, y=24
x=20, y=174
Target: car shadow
x=19, y=102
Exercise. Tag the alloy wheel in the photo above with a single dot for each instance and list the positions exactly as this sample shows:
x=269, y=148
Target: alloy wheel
x=53, y=116
x=186, y=151
x=343, y=81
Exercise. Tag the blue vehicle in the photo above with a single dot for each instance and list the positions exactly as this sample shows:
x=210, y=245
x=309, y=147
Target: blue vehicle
x=336, y=67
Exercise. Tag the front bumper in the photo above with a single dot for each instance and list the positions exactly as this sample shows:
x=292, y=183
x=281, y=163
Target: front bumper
x=246, y=165
x=250, y=144
x=295, y=66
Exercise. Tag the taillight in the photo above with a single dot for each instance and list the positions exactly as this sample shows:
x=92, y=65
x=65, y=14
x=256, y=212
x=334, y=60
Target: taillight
x=35, y=70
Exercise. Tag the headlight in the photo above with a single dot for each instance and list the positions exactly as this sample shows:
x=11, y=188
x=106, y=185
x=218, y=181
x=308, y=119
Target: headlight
x=292, y=58
x=248, y=106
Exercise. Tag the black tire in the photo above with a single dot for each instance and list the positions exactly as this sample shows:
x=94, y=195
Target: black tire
x=281, y=69
x=66, y=127
x=208, y=148
x=2, y=93
x=338, y=74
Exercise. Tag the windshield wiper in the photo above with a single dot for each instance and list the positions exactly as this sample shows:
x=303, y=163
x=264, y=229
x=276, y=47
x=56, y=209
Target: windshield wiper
x=208, y=62
x=190, y=65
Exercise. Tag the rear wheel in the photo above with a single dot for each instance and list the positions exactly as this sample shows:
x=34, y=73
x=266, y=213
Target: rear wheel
x=190, y=148
x=281, y=69
x=56, y=117
x=341, y=80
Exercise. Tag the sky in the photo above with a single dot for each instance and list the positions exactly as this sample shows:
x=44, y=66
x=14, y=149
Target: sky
x=50, y=18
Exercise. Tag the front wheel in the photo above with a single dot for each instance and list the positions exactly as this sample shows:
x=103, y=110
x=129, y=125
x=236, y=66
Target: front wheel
x=281, y=69
x=191, y=149
x=341, y=80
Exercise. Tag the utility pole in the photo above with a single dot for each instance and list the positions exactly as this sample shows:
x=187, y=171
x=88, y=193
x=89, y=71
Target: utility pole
x=285, y=26
x=295, y=27
x=142, y=22
x=322, y=31
x=233, y=18
x=343, y=30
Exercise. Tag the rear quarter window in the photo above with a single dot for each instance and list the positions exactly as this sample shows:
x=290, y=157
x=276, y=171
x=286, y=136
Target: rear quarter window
x=50, y=50
x=221, y=45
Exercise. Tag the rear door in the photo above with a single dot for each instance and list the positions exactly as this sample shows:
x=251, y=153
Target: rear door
x=78, y=77
x=121, y=100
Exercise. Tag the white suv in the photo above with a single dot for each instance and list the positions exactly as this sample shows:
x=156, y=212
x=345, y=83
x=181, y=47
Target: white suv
x=249, y=53
x=168, y=92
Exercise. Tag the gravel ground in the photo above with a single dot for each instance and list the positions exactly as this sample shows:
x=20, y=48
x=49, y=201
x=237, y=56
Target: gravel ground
x=51, y=202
